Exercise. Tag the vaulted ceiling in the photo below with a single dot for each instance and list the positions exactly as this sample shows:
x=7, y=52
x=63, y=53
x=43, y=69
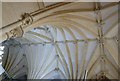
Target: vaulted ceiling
x=64, y=40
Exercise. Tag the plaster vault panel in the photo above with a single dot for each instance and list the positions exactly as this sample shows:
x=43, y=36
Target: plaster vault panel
x=16, y=9
x=64, y=41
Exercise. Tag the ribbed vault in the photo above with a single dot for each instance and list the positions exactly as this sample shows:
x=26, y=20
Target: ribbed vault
x=73, y=41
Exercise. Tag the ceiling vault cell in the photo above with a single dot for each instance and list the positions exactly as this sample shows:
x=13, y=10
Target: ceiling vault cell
x=63, y=41
x=28, y=19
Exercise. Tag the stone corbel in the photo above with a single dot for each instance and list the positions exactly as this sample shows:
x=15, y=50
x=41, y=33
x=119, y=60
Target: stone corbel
x=17, y=32
x=26, y=20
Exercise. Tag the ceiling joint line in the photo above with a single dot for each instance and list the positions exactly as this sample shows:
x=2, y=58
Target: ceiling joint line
x=62, y=41
x=101, y=37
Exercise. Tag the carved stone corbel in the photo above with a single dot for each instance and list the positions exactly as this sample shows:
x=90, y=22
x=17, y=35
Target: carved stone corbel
x=26, y=19
x=17, y=32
